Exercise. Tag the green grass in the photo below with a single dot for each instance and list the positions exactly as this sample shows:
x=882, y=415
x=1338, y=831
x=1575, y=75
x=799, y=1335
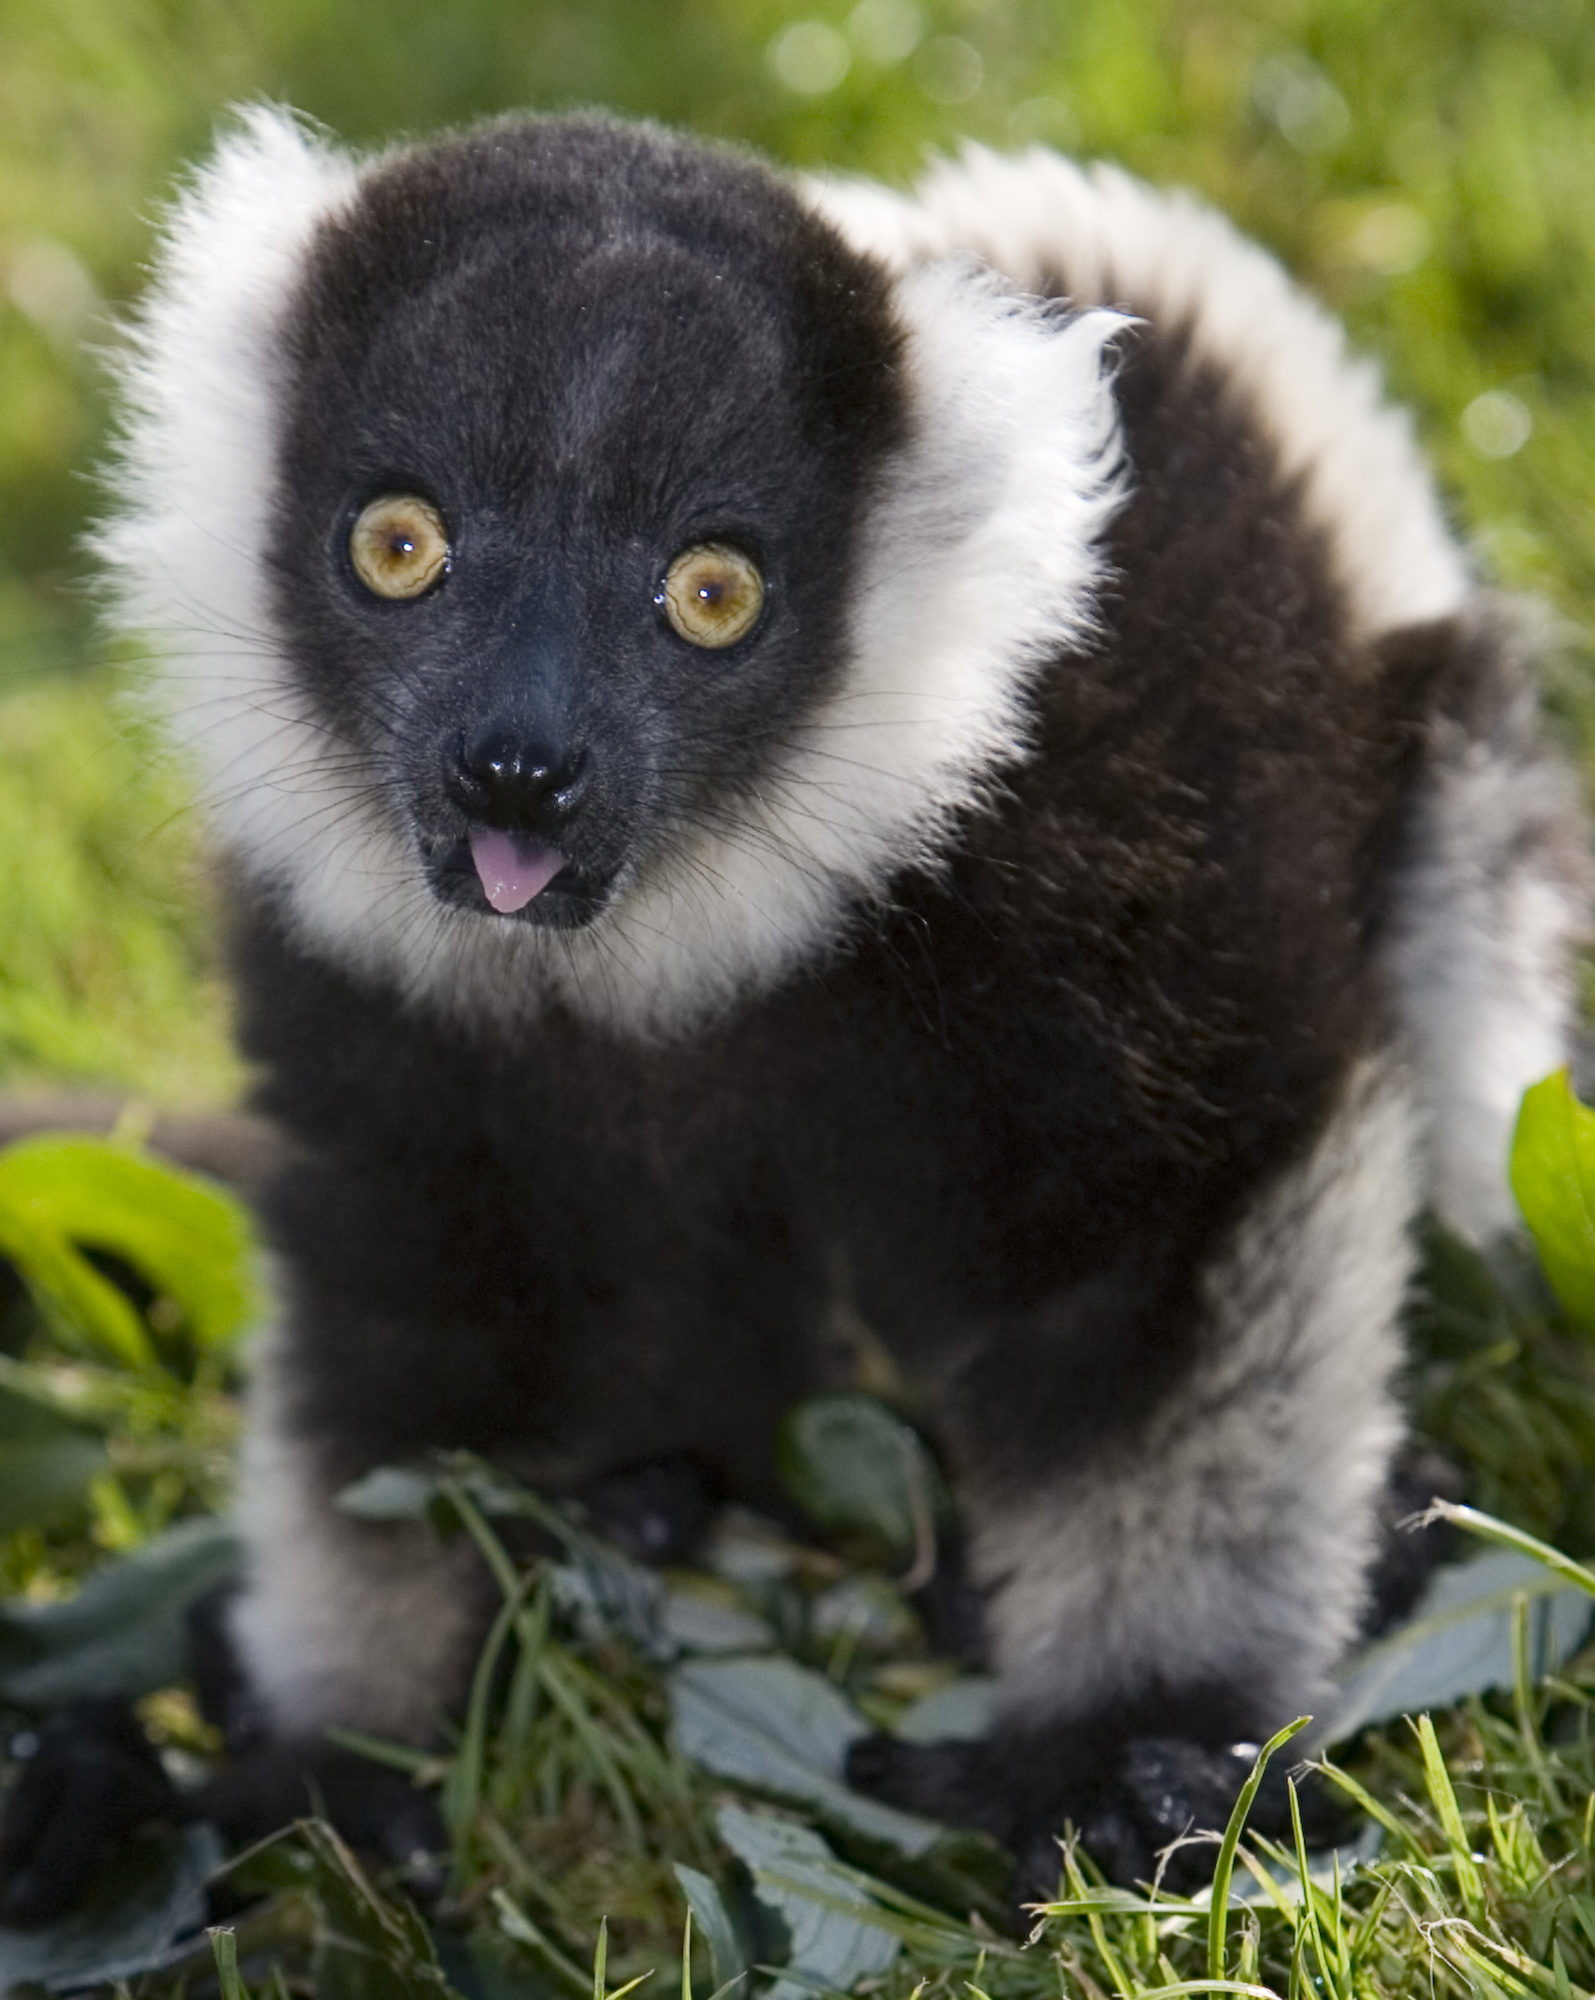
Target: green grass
x=571, y=1804
x=571, y=1808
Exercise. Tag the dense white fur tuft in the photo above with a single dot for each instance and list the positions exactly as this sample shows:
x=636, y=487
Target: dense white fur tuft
x=1489, y=911
x=1228, y=1543
x=343, y=1623
x=195, y=485
x=1112, y=240
x=981, y=553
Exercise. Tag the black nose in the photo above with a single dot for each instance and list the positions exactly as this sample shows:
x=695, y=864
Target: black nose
x=500, y=778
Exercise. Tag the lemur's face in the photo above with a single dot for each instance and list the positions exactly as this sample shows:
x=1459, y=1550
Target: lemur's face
x=567, y=491
x=581, y=571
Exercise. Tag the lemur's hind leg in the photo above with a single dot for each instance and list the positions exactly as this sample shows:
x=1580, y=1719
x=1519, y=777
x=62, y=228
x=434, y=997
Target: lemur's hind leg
x=1192, y=1585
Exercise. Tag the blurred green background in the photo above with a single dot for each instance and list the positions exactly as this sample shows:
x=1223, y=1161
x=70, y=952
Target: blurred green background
x=1429, y=168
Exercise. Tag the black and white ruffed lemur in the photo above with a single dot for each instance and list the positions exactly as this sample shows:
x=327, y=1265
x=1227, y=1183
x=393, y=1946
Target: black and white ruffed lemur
x=787, y=752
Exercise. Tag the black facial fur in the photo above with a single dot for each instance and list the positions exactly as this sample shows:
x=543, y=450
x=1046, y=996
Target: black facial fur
x=589, y=347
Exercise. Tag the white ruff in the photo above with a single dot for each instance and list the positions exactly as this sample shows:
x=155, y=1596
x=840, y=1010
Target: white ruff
x=1112, y=240
x=979, y=559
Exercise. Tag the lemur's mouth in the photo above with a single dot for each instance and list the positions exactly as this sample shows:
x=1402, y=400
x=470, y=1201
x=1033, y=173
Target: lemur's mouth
x=509, y=875
x=512, y=869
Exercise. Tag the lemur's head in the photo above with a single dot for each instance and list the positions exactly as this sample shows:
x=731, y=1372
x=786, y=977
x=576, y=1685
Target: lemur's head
x=577, y=562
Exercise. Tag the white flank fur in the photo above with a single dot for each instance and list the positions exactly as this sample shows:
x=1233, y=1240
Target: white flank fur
x=345, y=1623
x=1112, y=240
x=1492, y=907
x=981, y=555
x=1228, y=1542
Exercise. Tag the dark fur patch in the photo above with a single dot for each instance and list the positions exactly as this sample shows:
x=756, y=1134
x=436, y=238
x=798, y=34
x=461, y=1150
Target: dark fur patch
x=1028, y=1098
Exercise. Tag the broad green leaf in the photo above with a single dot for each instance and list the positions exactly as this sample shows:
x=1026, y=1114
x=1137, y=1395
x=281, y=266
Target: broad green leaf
x=852, y=1465
x=46, y=1460
x=187, y=1238
x=780, y=1728
x=697, y=1621
x=190, y=1238
x=390, y=1493
x=727, y=1959
x=963, y=1711
x=125, y=1630
x=831, y=1922
x=1459, y=1640
x=147, y=1912
x=1553, y=1178
x=83, y=1309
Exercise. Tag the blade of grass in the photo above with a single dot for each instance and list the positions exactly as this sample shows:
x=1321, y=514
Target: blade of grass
x=556, y=1685
x=1224, y=1866
x=1362, y=1797
x=1099, y=1935
x=1470, y=1885
x=515, y=1924
x=1328, y=1969
x=1524, y=1706
x=1489, y=1529
x=462, y=1789
x=224, y=1947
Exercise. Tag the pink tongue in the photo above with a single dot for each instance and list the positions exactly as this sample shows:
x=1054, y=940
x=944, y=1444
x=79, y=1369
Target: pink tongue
x=513, y=871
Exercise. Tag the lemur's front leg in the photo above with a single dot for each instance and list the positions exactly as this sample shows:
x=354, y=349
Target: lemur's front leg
x=1189, y=1584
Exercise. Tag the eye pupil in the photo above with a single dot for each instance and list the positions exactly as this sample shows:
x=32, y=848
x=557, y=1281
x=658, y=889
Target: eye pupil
x=399, y=546
x=712, y=595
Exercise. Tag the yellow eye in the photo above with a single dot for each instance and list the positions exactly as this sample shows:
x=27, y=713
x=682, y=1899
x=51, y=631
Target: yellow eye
x=712, y=594
x=399, y=546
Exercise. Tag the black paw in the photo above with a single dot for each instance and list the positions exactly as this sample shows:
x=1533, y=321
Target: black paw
x=1150, y=1795
x=87, y=1780
x=1169, y=1801
x=377, y=1810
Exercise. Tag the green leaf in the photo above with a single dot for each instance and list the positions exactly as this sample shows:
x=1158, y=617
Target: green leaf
x=1553, y=1178
x=1459, y=1640
x=124, y=1631
x=963, y=1710
x=835, y=1940
x=147, y=1911
x=773, y=1725
x=727, y=1959
x=85, y=1311
x=852, y=1465
x=46, y=1460
x=391, y=1493
x=187, y=1238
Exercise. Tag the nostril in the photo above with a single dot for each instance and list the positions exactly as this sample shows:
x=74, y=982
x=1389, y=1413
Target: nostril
x=503, y=779
x=495, y=758
x=568, y=780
